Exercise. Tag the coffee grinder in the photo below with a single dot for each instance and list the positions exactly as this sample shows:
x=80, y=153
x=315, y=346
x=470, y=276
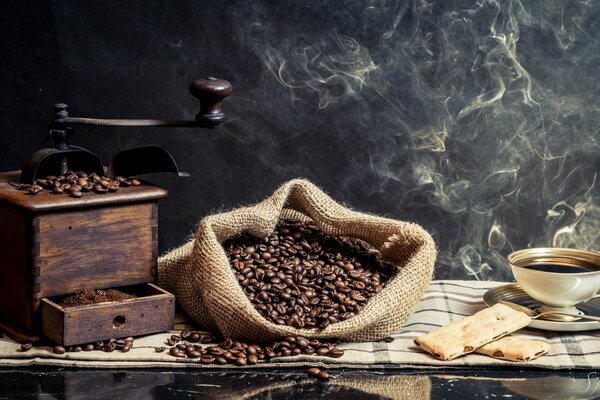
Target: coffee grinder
x=53, y=245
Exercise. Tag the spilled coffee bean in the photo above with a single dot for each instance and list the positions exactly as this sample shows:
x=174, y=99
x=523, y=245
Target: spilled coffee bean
x=323, y=375
x=88, y=347
x=26, y=347
x=301, y=277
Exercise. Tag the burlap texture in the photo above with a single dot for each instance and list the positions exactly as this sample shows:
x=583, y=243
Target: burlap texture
x=199, y=274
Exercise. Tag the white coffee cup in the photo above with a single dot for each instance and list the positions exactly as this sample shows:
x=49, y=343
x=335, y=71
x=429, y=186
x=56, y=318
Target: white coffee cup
x=536, y=271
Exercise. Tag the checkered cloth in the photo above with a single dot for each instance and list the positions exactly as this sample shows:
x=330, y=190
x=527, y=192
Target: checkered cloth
x=444, y=302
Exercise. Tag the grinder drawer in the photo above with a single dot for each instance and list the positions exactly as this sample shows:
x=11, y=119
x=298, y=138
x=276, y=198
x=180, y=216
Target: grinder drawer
x=153, y=310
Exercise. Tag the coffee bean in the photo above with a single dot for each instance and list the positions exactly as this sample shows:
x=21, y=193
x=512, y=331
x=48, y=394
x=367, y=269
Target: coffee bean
x=240, y=361
x=302, y=343
x=88, y=347
x=194, y=337
x=135, y=182
x=206, y=359
x=76, y=349
x=185, y=334
x=335, y=353
x=194, y=354
x=100, y=189
x=35, y=189
x=57, y=190
x=322, y=351
x=323, y=375
x=313, y=371
x=109, y=347
x=220, y=360
x=252, y=359
x=176, y=352
x=59, y=350
x=159, y=349
x=26, y=347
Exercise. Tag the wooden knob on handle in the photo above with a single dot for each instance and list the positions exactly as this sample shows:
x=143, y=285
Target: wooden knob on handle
x=211, y=92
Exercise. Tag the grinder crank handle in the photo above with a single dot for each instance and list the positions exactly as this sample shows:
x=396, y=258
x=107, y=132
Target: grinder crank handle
x=209, y=91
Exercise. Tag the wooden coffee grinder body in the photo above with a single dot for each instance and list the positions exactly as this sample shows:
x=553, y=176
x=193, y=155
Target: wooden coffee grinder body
x=53, y=245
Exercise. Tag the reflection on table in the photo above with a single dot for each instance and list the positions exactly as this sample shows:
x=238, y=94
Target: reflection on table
x=68, y=384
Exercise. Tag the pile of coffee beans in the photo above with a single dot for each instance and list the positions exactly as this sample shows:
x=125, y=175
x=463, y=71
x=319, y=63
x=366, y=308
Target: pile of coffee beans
x=239, y=353
x=301, y=277
x=122, y=345
x=77, y=183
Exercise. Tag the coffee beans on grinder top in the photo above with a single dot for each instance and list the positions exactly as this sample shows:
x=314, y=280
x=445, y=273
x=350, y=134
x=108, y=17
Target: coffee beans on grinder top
x=77, y=183
x=301, y=277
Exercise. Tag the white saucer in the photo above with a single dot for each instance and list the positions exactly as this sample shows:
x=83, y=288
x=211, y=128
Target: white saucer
x=513, y=293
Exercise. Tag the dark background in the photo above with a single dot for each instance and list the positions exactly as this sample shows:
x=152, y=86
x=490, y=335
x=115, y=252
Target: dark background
x=478, y=120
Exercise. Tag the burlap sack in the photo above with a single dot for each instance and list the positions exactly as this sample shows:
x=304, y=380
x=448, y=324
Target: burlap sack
x=199, y=274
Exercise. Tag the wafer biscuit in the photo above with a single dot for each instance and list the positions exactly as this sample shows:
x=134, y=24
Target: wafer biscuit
x=465, y=335
x=514, y=348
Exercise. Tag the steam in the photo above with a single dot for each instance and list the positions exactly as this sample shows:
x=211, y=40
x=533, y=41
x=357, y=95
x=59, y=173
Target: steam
x=479, y=120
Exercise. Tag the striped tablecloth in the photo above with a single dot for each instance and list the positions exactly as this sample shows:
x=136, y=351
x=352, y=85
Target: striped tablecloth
x=443, y=302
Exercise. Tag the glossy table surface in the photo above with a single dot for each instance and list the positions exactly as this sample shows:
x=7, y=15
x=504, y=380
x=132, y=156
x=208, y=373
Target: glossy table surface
x=61, y=383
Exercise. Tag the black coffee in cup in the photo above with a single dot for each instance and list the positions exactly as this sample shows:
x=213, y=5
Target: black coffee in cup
x=560, y=269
